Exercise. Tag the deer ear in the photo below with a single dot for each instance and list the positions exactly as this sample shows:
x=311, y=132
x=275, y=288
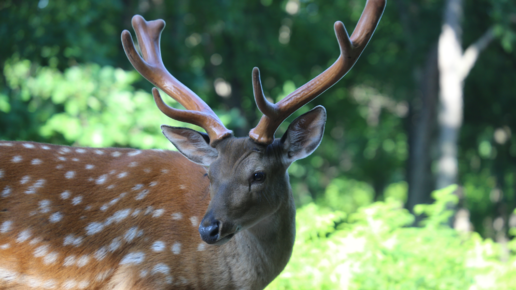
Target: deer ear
x=304, y=134
x=192, y=144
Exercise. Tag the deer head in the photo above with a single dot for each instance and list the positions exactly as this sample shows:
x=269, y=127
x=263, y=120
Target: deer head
x=248, y=176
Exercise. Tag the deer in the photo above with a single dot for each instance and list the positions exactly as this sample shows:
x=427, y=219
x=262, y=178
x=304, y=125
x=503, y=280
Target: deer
x=217, y=214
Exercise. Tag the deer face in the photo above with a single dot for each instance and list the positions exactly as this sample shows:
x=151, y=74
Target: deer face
x=248, y=181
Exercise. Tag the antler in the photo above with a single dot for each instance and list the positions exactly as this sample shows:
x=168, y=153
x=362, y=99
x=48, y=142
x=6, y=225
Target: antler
x=350, y=50
x=151, y=67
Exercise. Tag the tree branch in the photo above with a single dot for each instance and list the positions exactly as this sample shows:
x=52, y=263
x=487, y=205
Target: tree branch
x=470, y=56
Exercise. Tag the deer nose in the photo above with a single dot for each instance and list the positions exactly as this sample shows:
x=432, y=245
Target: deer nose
x=209, y=230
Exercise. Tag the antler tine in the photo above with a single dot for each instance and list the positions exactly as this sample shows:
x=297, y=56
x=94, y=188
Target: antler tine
x=350, y=51
x=151, y=67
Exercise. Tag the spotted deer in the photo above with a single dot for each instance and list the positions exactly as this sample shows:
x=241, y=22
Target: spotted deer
x=112, y=218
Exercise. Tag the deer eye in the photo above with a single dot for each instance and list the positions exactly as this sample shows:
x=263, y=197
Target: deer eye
x=258, y=176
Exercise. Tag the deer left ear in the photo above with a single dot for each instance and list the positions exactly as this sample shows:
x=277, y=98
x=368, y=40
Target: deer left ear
x=304, y=134
x=192, y=144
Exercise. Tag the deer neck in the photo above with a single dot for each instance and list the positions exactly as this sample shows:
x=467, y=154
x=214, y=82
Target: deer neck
x=258, y=254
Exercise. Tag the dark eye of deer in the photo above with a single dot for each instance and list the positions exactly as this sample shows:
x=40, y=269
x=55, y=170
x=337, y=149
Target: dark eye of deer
x=258, y=176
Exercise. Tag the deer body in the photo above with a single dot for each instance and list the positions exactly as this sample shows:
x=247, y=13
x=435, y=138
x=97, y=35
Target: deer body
x=111, y=218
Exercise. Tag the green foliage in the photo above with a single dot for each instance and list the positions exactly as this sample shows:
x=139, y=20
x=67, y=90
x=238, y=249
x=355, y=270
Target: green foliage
x=101, y=108
x=374, y=249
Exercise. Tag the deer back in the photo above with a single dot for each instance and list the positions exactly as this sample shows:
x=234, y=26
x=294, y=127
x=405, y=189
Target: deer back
x=74, y=218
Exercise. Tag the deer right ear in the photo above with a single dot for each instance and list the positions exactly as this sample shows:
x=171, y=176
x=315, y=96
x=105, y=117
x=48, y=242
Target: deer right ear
x=192, y=144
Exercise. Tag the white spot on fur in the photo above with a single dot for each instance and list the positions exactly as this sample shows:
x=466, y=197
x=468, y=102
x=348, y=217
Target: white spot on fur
x=65, y=194
x=70, y=174
x=6, y=226
x=17, y=159
x=182, y=186
x=133, y=258
x=1, y=173
x=164, y=170
x=115, y=244
x=69, y=284
x=177, y=216
x=80, y=150
x=49, y=284
x=83, y=260
x=176, y=248
x=23, y=236
x=83, y=284
x=104, y=207
x=75, y=159
x=36, y=161
x=38, y=184
x=94, y=228
x=89, y=166
x=44, y=147
x=142, y=194
x=72, y=240
x=76, y=200
x=133, y=164
x=69, y=261
x=60, y=166
x=55, y=217
x=28, y=145
x=6, y=192
x=201, y=247
x=158, y=213
x=158, y=246
x=111, y=186
x=131, y=234
x=25, y=179
x=99, y=152
x=148, y=210
x=136, y=212
x=147, y=170
x=35, y=241
x=138, y=186
x=88, y=207
x=50, y=258
x=101, y=179
x=44, y=206
x=112, y=172
x=134, y=153
x=8, y=275
x=6, y=144
x=64, y=150
x=144, y=273
x=5, y=246
x=160, y=268
x=61, y=158
x=122, y=175
x=100, y=254
x=116, y=154
x=195, y=221
x=41, y=251
x=118, y=216
x=153, y=183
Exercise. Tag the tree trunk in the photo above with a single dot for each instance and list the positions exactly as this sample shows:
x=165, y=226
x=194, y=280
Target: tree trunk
x=422, y=127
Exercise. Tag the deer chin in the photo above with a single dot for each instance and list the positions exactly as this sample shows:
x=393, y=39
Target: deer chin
x=224, y=240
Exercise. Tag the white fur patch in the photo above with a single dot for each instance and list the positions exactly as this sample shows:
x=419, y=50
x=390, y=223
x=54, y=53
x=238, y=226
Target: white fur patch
x=55, y=217
x=133, y=258
x=158, y=246
x=6, y=192
x=176, y=248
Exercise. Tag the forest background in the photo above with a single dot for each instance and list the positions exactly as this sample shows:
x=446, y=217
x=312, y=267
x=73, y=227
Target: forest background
x=430, y=103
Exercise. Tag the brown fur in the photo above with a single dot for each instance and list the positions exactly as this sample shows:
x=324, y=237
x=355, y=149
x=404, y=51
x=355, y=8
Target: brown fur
x=181, y=187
